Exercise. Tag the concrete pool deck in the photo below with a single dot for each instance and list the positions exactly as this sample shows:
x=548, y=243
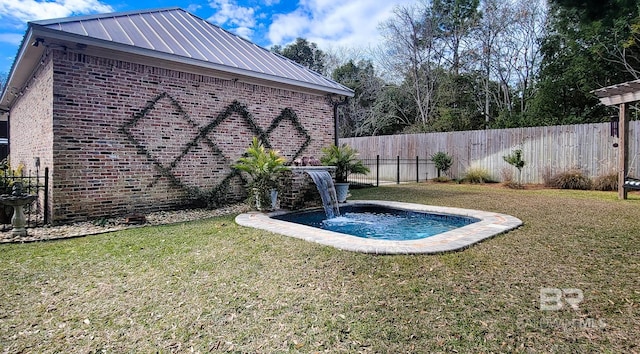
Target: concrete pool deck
x=490, y=224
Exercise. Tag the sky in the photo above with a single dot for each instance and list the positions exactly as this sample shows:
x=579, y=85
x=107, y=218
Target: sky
x=331, y=24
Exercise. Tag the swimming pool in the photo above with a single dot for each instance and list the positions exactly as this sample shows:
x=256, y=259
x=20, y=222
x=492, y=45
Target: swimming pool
x=489, y=224
x=380, y=222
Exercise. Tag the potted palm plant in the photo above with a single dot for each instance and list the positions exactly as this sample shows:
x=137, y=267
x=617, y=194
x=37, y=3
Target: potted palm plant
x=346, y=161
x=263, y=166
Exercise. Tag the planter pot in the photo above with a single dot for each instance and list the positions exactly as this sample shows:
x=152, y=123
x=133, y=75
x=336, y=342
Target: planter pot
x=260, y=197
x=274, y=199
x=342, y=191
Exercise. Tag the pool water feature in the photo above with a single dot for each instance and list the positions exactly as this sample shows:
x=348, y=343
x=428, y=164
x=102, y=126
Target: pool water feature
x=380, y=223
x=327, y=190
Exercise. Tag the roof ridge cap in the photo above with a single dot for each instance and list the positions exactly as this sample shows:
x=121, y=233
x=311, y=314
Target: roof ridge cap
x=73, y=18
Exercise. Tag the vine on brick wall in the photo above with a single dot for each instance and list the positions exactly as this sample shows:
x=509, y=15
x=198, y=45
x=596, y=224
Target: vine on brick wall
x=289, y=114
x=218, y=194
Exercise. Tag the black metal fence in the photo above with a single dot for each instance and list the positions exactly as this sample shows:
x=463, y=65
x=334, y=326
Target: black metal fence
x=37, y=213
x=394, y=170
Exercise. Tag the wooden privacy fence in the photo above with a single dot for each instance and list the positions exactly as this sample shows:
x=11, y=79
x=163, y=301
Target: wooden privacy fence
x=552, y=149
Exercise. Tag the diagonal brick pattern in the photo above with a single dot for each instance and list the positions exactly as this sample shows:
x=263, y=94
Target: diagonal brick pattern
x=183, y=144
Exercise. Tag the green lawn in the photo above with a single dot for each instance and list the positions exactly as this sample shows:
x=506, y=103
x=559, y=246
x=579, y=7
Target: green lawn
x=215, y=286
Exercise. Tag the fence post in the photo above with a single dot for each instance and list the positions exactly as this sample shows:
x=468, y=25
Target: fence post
x=46, y=195
x=398, y=170
x=377, y=170
x=29, y=186
x=417, y=169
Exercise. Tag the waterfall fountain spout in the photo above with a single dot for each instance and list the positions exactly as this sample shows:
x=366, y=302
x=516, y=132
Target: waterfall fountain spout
x=327, y=190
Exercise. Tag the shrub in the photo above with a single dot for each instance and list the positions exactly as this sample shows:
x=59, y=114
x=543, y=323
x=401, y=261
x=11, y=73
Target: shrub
x=606, y=183
x=442, y=161
x=477, y=175
x=572, y=179
x=547, y=177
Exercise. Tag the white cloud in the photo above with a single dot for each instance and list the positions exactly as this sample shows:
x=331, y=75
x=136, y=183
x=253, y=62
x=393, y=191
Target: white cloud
x=330, y=23
x=229, y=13
x=31, y=10
x=193, y=8
x=11, y=38
x=244, y=32
x=287, y=27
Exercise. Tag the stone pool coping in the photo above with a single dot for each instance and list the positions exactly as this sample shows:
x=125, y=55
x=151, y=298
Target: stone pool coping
x=490, y=225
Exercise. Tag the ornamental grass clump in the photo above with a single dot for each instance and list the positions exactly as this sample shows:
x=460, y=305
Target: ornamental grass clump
x=477, y=175
x=606, y=183
x=572, y=179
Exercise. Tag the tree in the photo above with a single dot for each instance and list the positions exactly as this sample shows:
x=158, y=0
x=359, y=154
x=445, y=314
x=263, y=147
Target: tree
x=630, y=50
x=523, y=39
x=442, y=161
x=583, y=51
x=362, y=79
x=515, y=159
x=506, y=55
x=304, y=53
x=619, y=22
x=595, y=10
x=393, y=111
x=458, y=103
x=412, y=54
x=456, y=20
x=490, y=27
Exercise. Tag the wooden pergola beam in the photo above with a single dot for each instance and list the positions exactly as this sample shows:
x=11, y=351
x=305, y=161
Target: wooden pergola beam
x=623, y=145
x=625, y=92
x=621, y=94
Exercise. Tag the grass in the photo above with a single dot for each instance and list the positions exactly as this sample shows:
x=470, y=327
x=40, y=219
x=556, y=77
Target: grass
x=212, y=286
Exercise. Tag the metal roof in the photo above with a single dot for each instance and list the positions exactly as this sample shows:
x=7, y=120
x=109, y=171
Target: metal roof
x=171, y=34
x=620, y=93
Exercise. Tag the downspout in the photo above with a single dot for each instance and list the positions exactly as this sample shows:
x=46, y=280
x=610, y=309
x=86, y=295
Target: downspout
x=335, y=104
x=8, y=113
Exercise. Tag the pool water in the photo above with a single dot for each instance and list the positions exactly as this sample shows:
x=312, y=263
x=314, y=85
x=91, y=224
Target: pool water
x=381, y=223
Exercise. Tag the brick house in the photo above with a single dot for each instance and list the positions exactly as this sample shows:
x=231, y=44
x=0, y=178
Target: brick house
x=134, y=111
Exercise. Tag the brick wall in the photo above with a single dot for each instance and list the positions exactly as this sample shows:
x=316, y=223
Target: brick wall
x=31, y=123
x=128, y=137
